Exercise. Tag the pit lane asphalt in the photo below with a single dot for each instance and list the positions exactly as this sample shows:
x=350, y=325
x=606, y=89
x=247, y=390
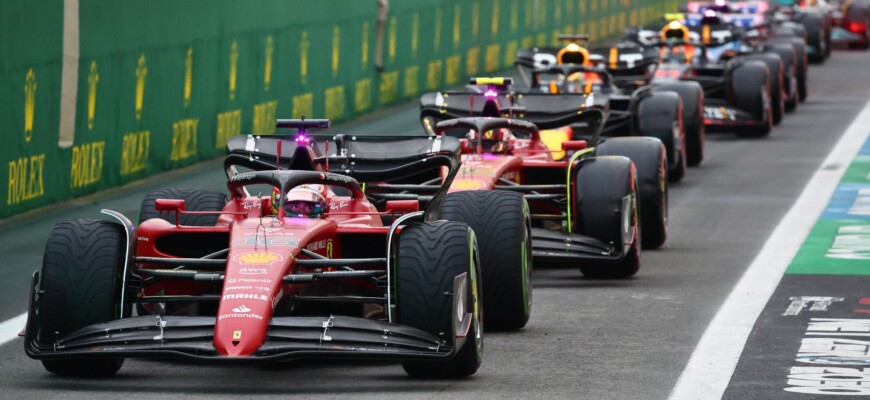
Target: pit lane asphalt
x=595, y=339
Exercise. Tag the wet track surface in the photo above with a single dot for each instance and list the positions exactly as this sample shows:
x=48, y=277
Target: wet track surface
x=596, y=339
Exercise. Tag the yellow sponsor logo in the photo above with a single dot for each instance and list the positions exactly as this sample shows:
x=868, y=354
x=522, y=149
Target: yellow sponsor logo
x=259, y=258
x=237, y=335
x=229, y=124
x=184, y=138
x=29, y=103
x=141, y=73
x=234, y=69
x=134, y=152
x=25, y=179
x=93, y=78
x=467, y=184
x=87, y=164
x=264, y=117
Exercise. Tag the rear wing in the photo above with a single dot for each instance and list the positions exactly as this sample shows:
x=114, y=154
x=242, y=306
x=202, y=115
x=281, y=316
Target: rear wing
x=626, y=58
x=546, y=111
x=364, y=158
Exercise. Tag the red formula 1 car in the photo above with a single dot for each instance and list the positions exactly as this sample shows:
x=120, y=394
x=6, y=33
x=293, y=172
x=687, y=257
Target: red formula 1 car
x=212, y=279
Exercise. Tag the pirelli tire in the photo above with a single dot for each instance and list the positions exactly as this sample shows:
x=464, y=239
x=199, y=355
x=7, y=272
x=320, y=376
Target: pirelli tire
x=776, y=69
x=502, y=222
x=80, y=285
x=648, y=155
x=802, y=65
x=748, y=84
x=602, y=185
x=788, y=55
x=692, y=96
x=429, y=256
x=816, y=27
x=195, y=200
x=659, y=115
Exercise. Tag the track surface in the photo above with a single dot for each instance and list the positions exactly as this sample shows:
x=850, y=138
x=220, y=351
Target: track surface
x=596, y=339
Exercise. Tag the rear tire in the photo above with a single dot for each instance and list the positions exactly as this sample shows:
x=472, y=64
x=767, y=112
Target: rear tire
x=775, y=68
x=787, y=53
x=429, y=256
x=692, y=96
x=816, y=37
x=502, y=223
x=660, y=115
x=749, y=85
x=601, y=184
x=195, y=200
x=81, y=283
x=648, y=155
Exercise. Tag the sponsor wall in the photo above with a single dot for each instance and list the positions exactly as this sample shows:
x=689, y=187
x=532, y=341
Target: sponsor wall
x=97, y=93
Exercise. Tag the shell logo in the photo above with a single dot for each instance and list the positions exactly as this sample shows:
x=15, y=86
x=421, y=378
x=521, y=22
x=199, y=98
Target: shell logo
x=258, y=258
x=466, y=184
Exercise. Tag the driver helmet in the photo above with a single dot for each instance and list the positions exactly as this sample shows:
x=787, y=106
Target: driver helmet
x=495, y=141
x=675, y=30
x=711, y=17
x=306, y=201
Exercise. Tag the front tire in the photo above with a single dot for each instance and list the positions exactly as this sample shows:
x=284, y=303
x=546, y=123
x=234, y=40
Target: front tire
x=749, y=86
x=502, y=222
x=692, y=96
x=81, y=283
x=429, y=256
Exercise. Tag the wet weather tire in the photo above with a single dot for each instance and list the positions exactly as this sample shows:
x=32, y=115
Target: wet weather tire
x=81, y=283
x=195, y=200
x=429, y=257
x=502, y=222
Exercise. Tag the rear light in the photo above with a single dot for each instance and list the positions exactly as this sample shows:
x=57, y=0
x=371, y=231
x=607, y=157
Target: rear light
x=857, y=27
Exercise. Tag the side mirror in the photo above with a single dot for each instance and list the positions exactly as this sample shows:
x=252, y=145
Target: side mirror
x=169, y=205
x=574, y=145
x=403, y=206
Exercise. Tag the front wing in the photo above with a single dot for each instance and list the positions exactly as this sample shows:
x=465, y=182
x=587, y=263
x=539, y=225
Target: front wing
x=287, y=338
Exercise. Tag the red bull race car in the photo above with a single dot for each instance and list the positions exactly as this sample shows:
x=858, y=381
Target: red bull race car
x=256, y=278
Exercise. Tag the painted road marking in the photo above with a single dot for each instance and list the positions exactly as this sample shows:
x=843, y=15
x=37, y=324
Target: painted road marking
x=714, y=360
x=10, y=328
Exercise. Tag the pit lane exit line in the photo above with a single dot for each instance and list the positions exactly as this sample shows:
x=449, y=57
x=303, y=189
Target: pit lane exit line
x=715, y=358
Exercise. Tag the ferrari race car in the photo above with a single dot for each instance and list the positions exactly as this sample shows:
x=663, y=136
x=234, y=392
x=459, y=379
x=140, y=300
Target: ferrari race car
x=571, y=192
x=245, y=279
x=572, y=69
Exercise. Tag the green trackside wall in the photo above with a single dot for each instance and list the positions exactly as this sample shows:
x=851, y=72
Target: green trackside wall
x=160, y=84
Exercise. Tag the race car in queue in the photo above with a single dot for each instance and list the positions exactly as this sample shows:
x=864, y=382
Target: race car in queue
x=558, y=70
x=738, y=89
x=571, y=192
x=249, y=279
x=810, y=23
x=851, y=22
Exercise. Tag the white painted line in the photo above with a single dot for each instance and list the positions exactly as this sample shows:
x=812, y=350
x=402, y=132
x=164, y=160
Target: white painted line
x=69, y=82
x=10, y=329
x=712, y=364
